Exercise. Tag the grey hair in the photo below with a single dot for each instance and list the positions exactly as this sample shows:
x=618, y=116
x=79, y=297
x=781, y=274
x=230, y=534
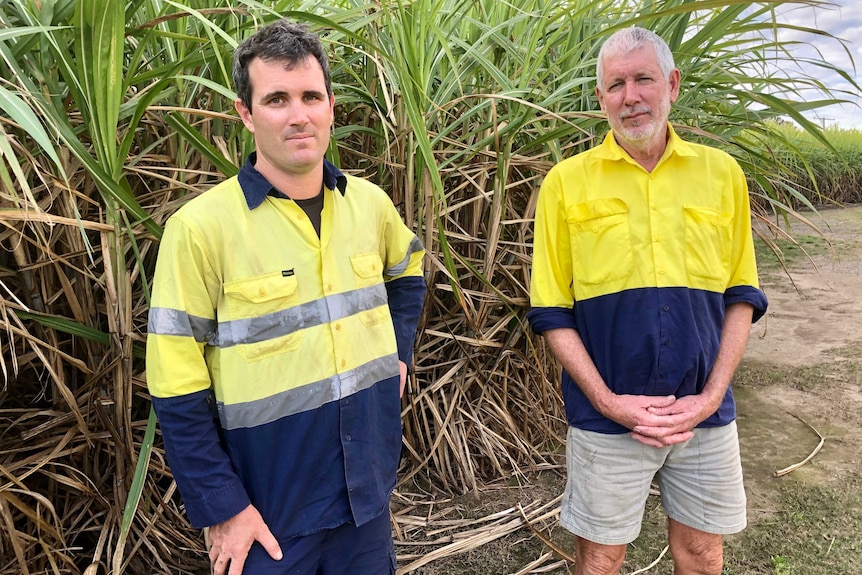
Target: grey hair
x=628, y=40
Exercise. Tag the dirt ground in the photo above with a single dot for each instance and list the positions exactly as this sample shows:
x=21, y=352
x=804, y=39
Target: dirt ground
x=804, y=357
x=806, y=323
x=800, y=382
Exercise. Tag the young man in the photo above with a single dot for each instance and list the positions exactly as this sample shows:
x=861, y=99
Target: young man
x=284, y=308
x=644, y=286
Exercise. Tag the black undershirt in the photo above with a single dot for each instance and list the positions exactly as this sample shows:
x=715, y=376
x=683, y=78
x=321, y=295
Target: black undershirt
x=313, y=208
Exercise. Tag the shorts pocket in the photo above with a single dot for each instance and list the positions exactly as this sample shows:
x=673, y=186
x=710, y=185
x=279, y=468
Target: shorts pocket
x=708, y=240
x=601, y=241
x=263, y=316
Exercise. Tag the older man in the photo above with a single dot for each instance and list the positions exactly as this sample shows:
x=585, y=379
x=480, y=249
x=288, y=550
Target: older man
x=645, y=288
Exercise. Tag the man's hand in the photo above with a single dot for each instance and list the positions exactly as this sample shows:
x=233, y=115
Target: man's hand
x=632, y=411
x=679, y=418
x=231, y=540
x=402, y=367
x=674, y=423
x=656, y=421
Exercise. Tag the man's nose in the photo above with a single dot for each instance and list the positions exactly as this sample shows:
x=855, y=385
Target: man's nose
x=297, y=115
x=631, y=94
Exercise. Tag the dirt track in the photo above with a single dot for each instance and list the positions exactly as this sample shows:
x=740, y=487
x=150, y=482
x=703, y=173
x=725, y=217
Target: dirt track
x=814, y=327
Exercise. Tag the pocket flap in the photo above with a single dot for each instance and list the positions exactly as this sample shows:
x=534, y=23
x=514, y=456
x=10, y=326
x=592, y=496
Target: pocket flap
x=262, y=288
x=708, y=216
x=367, y=265
x=595, y=210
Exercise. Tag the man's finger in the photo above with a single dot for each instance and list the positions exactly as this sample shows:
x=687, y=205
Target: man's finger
x=663, y=401
x=219, y=564
x=668, y=410
x=270, y=543
x=668, y=428
x=665, y=407
x=646, y=440
x=402, y=369
x=236, y=565
x=677, y=438
x=656, y=424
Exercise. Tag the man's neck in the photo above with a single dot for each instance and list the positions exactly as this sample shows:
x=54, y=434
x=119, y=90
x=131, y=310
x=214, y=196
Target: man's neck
x=300, y=186
x=647, y=154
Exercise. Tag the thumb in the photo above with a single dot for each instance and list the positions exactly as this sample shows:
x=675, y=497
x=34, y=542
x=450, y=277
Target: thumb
x=661, y=404
x=269, y=543
x=402, y=369
x=665, y=401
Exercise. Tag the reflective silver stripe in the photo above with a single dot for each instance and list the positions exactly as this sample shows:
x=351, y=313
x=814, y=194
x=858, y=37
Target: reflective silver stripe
x=401, y=267
x=291, y=320
x=168, y=321
x=307, y=397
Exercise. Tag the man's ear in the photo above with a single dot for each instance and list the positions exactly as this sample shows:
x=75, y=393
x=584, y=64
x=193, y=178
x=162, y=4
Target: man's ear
x=674, y=80
x=601, y=99
x=244, y=114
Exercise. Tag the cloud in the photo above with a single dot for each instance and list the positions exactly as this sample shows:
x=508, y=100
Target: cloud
x=844, y=22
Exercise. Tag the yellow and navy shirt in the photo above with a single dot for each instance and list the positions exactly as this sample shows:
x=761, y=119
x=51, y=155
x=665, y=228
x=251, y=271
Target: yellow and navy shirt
x=643, y=266
x=272, y=352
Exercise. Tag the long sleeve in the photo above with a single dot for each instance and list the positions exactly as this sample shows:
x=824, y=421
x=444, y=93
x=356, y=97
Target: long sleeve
x=181, y=321
x=405, y=284
x=406, y=295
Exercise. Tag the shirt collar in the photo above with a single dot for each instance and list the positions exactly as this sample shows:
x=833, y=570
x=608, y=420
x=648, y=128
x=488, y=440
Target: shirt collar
x=611, y=150
x=255, y=187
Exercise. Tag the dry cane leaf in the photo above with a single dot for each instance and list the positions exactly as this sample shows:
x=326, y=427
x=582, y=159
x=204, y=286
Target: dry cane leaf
x=817, y=449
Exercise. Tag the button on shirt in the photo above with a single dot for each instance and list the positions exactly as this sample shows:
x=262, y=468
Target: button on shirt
x=643, y=265
x=262, y=394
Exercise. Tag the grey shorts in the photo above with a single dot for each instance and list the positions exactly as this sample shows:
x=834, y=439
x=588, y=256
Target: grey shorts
x=609, y=479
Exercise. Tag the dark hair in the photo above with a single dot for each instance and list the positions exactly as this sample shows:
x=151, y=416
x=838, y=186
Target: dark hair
x=281, y=41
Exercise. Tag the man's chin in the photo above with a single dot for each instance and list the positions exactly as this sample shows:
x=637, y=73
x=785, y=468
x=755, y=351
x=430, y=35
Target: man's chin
x=635, y=136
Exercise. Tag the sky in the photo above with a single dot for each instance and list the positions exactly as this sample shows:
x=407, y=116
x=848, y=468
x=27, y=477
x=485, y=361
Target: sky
x=842, y=19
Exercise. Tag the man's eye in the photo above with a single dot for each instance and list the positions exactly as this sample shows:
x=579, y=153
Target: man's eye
x=276, y=100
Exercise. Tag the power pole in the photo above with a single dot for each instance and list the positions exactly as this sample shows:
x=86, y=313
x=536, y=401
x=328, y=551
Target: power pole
x=823, y=120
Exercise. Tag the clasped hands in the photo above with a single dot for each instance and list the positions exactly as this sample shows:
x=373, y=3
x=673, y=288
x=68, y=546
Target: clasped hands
x=662, y=420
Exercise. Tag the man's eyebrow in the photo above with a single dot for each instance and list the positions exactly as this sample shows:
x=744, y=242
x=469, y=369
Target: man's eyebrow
x=274, y=94
x=285, y=94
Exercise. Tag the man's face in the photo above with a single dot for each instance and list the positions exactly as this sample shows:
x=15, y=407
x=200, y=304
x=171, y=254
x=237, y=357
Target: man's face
x=290, y=117
x=636, y=97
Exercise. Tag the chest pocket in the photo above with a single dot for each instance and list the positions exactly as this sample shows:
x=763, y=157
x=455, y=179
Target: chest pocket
x=601, y=241
x=263, y=318
x=368, y=273
x=367, y=269
x=708, y=240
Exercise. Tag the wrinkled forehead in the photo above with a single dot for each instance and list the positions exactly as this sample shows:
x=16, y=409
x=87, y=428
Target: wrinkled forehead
x=643, y=51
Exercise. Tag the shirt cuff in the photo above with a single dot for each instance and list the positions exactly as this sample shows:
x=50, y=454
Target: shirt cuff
x=750, y=295
x=543, y=319
x=218, y=506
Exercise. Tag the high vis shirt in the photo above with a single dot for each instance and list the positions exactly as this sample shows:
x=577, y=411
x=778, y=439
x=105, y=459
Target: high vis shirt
x=272, y=353
x=643, y=265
